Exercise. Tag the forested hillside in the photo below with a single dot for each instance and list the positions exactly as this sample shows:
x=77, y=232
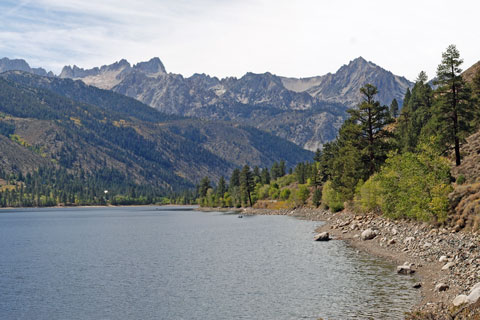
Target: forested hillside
x=73, y=132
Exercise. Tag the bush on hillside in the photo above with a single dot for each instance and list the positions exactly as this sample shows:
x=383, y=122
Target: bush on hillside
x=413, y=186
x=332, y=199
x=368, y=195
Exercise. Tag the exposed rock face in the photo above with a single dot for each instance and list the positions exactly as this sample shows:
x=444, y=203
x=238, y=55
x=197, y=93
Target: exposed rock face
x=21, y=65
x=308, y=112
x=344, y=85
x=152, y=67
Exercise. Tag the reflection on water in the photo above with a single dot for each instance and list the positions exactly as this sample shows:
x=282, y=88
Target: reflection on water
x=171, y=263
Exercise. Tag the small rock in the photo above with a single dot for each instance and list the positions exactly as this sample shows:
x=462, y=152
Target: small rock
x=324, y=236
x=417, y=285
x=448, y=265
x=408, y=240
x=441, y=287
x=406, y=268
x=443, y=259
x=368, y=234
x=394, y=231
x=427, y=245
x=392, y=241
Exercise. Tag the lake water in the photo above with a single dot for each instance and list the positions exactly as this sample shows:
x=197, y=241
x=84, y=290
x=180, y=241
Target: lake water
x=171, y=263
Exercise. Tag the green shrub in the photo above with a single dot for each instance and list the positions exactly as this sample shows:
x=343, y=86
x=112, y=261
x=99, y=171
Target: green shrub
x=415, y=186
x=302, y=194
x=368, y=195
x=286, y=180
x=262, y=192
x=461, y=179
x=273, y=192
x=331, y=198
x=285, y=194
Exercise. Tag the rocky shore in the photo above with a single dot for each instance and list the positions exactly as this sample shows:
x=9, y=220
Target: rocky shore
x=446, y=261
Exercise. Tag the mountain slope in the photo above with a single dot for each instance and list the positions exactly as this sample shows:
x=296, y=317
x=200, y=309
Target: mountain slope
x=102, y=128
x=470, y=73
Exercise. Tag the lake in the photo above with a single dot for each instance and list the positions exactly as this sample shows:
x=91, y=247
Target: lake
x=177, y=263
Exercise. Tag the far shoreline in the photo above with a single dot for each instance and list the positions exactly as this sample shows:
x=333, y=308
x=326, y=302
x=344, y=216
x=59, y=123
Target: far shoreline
x=101, y=206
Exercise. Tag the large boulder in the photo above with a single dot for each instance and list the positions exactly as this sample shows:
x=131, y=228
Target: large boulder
x=324, y=236
x=368, y=234
x=474, y=293
x=472, y=297
x=460, y=299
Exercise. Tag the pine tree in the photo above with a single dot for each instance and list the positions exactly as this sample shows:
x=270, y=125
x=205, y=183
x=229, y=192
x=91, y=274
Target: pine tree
x=394, y=108
x=318, y=155
x=317, y=197
x=256, y=174
x=282, y=168
x=371, y=118
x=415, y=114
x=221, y=187
x=235, y=179
x=246, y=183
x=204, y=186
x=265, y=176
x=275, y=171
x=452, y=103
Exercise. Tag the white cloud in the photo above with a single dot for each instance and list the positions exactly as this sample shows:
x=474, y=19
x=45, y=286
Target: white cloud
x=223, y=38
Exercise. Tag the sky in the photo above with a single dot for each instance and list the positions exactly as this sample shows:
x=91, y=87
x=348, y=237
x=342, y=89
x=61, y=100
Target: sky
x=295, y=38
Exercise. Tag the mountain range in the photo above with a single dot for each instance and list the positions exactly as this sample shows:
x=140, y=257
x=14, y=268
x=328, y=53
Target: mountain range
x=164, y=129
x=306, y=111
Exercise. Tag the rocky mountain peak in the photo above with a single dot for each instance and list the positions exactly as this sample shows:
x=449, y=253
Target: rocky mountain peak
x=21, y=65
x=153, y=66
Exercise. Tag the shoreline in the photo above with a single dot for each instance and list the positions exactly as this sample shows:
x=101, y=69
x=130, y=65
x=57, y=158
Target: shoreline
x=104, y=206
x=439, y=256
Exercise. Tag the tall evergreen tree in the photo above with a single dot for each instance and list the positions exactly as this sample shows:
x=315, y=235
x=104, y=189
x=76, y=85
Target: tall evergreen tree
x=235, y=179
x=318, y=155
x=256, y=174
x=275, y=171
x=282, y=168
x=246, y=183
x=221, y=187
x=371, y=117
x=265, y=176
x=452, y=121
x=415, y=114
x=394, y=108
